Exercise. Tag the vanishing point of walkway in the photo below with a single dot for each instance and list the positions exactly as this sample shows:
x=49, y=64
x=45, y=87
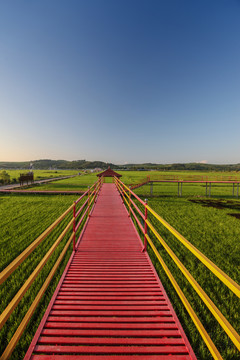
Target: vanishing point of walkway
x=110, y=303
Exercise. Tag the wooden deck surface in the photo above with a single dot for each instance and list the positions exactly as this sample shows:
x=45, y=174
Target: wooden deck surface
x=110, y=303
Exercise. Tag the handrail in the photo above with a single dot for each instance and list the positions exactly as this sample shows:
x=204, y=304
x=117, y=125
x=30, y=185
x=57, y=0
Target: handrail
x=208, y=341
x=137, y=197
x=16, y=262
x=191, y=177
x=13, y=342
x=231, y=284
x=138, y=222
x=144, y=182
x=138, y=210
x=123, y=189
x=12, y=305
x=91, y=194
x=81, y=219
x=208, y=302
x=81, y=208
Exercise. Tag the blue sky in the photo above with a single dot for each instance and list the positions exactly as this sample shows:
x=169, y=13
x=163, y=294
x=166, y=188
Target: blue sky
x=120, y=81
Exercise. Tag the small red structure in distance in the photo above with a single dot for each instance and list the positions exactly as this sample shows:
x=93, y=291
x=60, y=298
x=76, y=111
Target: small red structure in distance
x=109, y=173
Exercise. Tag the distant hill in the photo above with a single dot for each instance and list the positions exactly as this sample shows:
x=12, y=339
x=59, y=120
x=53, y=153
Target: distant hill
x=56, y=164
x=84, y=164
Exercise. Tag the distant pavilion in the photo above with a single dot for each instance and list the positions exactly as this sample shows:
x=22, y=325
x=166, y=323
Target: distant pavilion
x=109, y=173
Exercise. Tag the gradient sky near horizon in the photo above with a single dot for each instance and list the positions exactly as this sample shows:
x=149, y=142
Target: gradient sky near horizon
x=120, y=81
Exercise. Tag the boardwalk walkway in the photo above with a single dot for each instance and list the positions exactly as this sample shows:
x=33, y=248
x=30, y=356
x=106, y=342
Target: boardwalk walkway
x=110, y=303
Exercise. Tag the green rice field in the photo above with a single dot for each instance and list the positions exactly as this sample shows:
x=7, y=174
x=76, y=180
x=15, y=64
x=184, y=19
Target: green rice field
x=41, y=174
x=211, y=224
x=80, y=183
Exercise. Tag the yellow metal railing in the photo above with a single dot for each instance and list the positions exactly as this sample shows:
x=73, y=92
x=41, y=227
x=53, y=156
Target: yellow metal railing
x=91, y=195
x=128, y=195
x=231, y=284
x=16, y=262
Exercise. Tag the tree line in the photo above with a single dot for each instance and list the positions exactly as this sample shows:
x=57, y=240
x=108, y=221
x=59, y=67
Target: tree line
x=84, y=164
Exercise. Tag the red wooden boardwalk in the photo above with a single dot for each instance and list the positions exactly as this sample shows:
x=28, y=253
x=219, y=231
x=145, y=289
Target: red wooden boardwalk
x=110, y=303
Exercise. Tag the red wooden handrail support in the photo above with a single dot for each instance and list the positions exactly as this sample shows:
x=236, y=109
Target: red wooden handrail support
x=129, y=212
x=145, y=226
x=88, y=199
x=131, y=204
x=74, y=227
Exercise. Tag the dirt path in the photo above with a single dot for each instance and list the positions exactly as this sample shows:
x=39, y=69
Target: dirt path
x=17, y=186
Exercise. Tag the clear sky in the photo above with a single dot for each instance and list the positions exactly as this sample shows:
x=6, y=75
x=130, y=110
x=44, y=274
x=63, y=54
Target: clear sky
x=120, y=81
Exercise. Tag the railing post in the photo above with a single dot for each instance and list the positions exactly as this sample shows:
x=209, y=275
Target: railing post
x=145, y=226
x=95, y=191
x=122, y=193
x=119, y=188
x=129, y=213
x=74, y=226
x=88, y=199
x=98, y=185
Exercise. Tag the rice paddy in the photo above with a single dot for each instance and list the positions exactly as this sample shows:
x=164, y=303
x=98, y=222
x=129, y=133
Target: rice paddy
x=210, y=224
